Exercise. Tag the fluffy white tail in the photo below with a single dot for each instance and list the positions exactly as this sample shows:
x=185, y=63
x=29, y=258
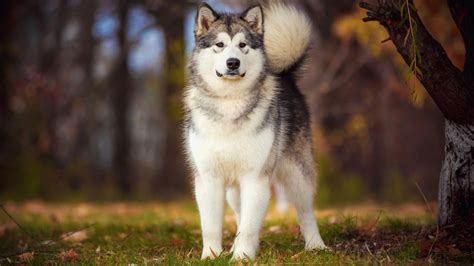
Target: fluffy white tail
x=287, y=35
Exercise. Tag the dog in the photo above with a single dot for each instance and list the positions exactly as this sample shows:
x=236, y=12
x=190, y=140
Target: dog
x=247, y=125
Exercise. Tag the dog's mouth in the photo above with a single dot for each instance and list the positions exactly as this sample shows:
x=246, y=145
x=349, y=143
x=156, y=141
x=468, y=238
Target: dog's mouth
x=231, y=74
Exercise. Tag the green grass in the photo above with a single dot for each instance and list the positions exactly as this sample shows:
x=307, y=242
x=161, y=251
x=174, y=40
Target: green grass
x=169, y=234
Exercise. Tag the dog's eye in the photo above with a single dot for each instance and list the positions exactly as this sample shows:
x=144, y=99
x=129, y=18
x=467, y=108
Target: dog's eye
x=220, y=44
x=242, y=45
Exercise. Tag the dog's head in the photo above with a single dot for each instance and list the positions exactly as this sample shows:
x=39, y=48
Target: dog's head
x=229, y=48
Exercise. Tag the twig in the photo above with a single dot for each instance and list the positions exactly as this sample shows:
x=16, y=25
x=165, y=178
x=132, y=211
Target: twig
x=34, y=238
x=376, y=221
x=17, y=224
x=424, y=198
x=368, y=249
x=122, y=242
x=432, y=213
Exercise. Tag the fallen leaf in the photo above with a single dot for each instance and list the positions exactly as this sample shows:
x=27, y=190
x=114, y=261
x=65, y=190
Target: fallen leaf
x=69, y=255
x=294, y=230
x=176, y=241
x=297, y=255
x=47, y=242
x=452, y=251
x=26, y=257
x=275, y=229
x=3, y=231
x=424, y=247
x=123, y=235
x=78, y=236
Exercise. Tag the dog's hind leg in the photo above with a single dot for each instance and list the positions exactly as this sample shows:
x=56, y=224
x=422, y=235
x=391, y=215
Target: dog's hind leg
x=300, y=191
x=254, y=195
x=210, y=198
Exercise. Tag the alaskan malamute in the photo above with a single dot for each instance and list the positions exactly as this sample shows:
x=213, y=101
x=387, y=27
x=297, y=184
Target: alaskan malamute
x=247, y=124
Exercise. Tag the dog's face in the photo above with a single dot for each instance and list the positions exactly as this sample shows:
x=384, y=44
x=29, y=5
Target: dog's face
x=229, y=49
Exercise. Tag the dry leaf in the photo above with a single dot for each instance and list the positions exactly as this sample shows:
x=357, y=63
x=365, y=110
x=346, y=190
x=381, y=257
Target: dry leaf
x=78, y=236
x=3, y=231
x=294, y=230
x=424, y=247
x=123, y=235
x=452, y=251
x=275, y=229
x=68, y=255
x=26, y=257
x=176, y=241
x=297, y=255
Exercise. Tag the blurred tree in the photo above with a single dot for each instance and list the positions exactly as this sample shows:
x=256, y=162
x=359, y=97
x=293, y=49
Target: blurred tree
x=173, y=172
x=122, y=88
x=170, y=17
x=334, y=81
x=49, y=67
x=85, y=58
x=451, y=89
x=7, y=21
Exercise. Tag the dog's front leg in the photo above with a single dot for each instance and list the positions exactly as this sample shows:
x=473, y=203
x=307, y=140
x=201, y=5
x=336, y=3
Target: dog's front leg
x=255, y=195
x=210, y=198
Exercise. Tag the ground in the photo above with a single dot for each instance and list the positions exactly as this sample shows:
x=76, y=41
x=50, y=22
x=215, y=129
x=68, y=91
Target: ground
x=168, y=233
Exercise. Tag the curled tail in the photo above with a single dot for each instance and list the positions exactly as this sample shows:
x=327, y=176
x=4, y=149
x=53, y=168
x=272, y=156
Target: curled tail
x=287, y=35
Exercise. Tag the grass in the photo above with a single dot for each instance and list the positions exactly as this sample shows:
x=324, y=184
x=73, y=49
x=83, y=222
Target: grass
x=168, y=233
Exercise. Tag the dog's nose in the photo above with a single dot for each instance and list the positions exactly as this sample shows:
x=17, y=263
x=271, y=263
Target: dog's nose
x=233, y=63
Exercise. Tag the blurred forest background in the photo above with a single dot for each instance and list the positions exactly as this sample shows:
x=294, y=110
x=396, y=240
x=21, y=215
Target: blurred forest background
x=90, y=101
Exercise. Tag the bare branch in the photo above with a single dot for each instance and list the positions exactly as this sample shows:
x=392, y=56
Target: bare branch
x=462, y=12
x=443, y=81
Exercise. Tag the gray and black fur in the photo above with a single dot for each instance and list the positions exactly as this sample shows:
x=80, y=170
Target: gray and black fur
x=247, y=123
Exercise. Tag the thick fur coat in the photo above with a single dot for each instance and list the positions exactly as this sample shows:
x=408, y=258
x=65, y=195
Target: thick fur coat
x=247, y=124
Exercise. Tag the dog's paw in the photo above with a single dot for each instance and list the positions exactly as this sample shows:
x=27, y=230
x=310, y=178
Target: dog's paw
x=243, y=252
x=243, y=256
x=316, y=244
x=211, y=253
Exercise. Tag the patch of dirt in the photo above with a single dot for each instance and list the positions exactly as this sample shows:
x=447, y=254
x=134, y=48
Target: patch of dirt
x=431, y=245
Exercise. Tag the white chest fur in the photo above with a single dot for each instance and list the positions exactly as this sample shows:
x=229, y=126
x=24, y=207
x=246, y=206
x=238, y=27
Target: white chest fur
x=224, y=148
x=232, y=155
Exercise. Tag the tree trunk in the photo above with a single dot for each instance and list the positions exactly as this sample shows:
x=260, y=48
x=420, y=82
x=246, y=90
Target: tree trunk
x=121, y=102
x=49, y=67
x=85, y=59
x=456, y=186
x=451, y=90
x=7, y=62
x=172, y=176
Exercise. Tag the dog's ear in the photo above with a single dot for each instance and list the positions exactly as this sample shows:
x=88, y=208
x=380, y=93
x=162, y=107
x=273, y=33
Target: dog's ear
x=254, y=17
x=204, y=18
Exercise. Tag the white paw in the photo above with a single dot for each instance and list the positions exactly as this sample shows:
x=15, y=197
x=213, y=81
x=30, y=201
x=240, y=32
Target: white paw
x=243, y=251
x=243, y=255
x=316, y=244
x=211, y=253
